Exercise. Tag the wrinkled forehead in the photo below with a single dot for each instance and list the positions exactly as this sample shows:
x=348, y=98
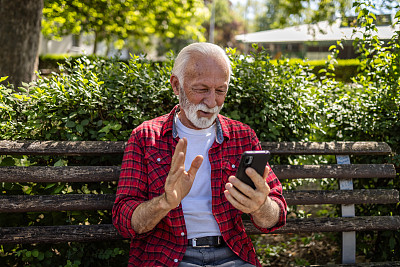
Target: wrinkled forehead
x=199, y=64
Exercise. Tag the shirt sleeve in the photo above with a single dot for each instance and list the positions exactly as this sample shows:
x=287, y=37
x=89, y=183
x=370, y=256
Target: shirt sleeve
x=275, y=193
x=131, y=190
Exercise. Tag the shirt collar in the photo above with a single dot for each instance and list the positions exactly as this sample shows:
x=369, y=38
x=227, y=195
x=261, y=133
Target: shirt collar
x=170, y=125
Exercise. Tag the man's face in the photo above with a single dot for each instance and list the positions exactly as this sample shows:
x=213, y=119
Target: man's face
x=191, y=110
x=204, y=90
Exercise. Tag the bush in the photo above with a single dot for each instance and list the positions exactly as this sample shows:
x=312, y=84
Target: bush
x=369, y=110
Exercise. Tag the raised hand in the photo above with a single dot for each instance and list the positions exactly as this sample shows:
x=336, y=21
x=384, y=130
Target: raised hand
x=179, y=182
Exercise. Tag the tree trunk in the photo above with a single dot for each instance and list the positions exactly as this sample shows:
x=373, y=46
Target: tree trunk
x=96, y=37
x=20, y=26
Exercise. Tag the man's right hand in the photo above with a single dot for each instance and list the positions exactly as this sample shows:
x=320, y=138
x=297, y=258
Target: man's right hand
x=179, y=182
x=177, y=185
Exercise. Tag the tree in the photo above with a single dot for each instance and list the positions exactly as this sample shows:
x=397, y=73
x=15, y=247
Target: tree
x=20, y=25
x=227, y=23
x=110, y=20
x=116, y=20
x=280, y=14
x=284, y=13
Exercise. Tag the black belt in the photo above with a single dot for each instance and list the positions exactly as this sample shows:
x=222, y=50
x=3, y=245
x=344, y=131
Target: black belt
x=206, y=242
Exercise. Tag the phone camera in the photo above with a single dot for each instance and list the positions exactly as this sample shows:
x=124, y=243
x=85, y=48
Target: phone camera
x=248, y=161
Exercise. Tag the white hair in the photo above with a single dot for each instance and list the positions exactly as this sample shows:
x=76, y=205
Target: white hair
x=205, y=49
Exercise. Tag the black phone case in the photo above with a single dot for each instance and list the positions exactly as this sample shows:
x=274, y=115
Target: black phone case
x=259, y=160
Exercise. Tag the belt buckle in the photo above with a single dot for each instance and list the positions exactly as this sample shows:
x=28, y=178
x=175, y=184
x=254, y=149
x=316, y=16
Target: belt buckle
x=194, y=244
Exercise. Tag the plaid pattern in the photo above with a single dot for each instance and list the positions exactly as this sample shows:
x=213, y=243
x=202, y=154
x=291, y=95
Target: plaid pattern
x=144, y=169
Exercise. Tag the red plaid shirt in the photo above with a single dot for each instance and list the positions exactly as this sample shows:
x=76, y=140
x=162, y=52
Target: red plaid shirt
x=144, y=169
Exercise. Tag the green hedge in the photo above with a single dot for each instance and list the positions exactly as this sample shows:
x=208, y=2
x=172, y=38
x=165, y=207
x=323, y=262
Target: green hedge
x=345, y=69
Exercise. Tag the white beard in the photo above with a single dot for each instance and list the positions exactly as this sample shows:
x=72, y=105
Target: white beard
x=191, y=111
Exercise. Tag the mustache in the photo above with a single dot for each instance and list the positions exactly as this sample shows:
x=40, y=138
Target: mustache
x=204, y=108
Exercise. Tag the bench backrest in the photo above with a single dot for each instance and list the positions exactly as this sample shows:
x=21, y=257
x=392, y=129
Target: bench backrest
x=89, y=174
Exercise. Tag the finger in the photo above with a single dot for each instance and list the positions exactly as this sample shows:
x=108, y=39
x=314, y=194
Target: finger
x=177, y=165
x=176, y=161
x=267, y=170
x=178, y=149
x=181, y=160
x=237, y=193
x=194, y=167
x=266, y=174
x=243, y=188
x=173, y=177
x=185, y=142
x=257, y=179
x=234, y=202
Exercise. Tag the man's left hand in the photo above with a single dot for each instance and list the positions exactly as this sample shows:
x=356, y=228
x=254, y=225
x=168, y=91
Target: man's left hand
x=248, y=200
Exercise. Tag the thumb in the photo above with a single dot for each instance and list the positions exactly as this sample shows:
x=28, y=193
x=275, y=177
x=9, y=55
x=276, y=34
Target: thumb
x=194, y=167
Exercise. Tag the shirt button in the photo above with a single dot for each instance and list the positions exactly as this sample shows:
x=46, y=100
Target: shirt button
x=158, y=159
x=233, y=166
x=182, y=234
x=175, y=260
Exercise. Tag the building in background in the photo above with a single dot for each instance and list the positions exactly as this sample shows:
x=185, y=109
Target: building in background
x=312, y=41
x=78, y=45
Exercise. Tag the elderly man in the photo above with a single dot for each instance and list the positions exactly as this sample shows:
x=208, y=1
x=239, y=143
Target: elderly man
x=178, y=199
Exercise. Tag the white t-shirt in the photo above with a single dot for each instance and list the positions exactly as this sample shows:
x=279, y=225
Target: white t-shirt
x=197, y=205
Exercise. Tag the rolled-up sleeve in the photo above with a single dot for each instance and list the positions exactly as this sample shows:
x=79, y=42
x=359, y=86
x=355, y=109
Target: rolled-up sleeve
x=275, y=193
x=132, y=188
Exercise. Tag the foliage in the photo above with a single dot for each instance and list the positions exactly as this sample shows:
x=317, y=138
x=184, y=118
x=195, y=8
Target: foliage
x=369, y=109
x=279, y=14
x=139, y=19
x=344, y=69
x=276, y=14
x=276, y=96
x=100, y=100
x=227, y=24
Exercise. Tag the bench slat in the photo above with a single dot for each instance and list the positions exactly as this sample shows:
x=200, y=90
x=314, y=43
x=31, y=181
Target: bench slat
x=111, y=173
x=339, y=171
x=67, y=148
x=40, y=203
x=327, y=148
x=73, y=148
x=103, y=232
x=36, y=203
x=336, y=224
x=363, y=196
x=44, y=174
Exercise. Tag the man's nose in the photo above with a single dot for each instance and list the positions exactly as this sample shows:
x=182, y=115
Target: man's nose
x=211, y=99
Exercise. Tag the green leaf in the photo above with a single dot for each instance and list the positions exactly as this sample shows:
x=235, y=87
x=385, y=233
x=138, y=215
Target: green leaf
x=85, y=122
x=28, y=254
x=79, y=128
x=58, y=189
x=41, y=256
x=70, y=124
x=50, y=185
x=60, y=163
x=116, y=126
x=35, y=253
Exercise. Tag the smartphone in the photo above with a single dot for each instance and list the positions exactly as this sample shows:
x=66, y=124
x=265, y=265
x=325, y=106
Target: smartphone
x=254, y=159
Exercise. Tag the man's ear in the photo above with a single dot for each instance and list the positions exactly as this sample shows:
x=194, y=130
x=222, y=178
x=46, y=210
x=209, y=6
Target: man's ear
x=175, y=84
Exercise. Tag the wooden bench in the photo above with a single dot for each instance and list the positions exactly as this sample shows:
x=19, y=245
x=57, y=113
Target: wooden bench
x=344, y=196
